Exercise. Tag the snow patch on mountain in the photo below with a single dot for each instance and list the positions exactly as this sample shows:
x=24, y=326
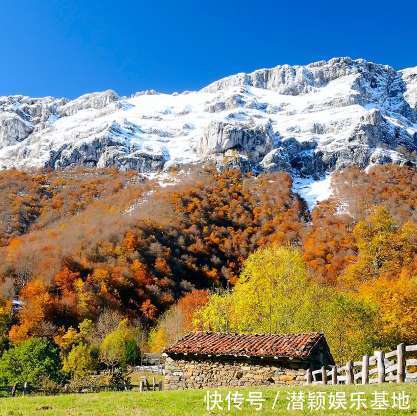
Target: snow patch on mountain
x=313, y=190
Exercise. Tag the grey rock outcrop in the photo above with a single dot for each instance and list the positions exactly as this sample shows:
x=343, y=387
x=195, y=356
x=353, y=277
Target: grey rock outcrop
x=97, y=100
x=276, y=160
x=370, y=137
x=106, y=152
x=295, y=80
x=34, y=110
x=13, y=129
x=250, y=139
x=123, y=159
x=234, y=160
x=295, y=157
x=372, y=83
x=290, y=80
x=108, y=149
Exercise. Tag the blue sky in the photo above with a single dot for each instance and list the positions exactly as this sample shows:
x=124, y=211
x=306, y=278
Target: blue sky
x=67, y=48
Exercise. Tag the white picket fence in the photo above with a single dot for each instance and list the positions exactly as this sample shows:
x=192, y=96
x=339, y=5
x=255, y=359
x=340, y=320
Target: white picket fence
x=381, y=367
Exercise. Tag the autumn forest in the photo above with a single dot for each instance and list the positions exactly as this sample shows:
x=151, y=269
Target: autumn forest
x=91, y=247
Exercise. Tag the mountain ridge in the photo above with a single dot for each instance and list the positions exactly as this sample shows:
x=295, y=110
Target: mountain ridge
x=305, y=119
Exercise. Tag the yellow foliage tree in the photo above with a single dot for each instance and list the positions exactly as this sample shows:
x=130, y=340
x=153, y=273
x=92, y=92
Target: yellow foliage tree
x=275, y=294
x=397, y=302
x=383, y=248
x=385, y=274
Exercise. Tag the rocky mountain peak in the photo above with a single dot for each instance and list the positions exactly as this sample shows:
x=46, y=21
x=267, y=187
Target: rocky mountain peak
x=306, y=119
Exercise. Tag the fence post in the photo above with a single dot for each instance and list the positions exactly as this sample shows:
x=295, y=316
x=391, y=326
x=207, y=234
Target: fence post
x=323, y=375
x=381, y=365
x=309, y=376
x=349, y=373
x=401, y=363
x=334, y=375
x=365, y=369
x=25, y=385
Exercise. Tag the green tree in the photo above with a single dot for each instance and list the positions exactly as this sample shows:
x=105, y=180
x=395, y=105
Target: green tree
x=350, y=325
x=120, y=347
x=81, y=360
x=5, y=322
x=31, y=361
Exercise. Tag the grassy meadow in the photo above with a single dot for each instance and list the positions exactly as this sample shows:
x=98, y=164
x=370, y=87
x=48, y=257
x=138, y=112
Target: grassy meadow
x=191, y=402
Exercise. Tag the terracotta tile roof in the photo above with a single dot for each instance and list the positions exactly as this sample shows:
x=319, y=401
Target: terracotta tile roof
x=298, y=346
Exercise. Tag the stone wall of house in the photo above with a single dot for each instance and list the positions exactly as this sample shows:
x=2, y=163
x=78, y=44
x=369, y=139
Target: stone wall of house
x=196, y=374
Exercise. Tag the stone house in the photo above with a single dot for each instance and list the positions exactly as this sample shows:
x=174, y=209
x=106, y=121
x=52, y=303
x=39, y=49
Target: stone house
x=205, y=359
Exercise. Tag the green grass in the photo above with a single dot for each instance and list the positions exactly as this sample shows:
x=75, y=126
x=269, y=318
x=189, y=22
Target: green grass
x=189, y=402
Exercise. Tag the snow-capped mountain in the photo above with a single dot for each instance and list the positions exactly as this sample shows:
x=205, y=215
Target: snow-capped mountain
x=304, y=119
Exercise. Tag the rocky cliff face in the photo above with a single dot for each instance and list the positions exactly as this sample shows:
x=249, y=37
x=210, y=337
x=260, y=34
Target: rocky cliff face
x=409, y=77
x=248, y=138
x=307, y=120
